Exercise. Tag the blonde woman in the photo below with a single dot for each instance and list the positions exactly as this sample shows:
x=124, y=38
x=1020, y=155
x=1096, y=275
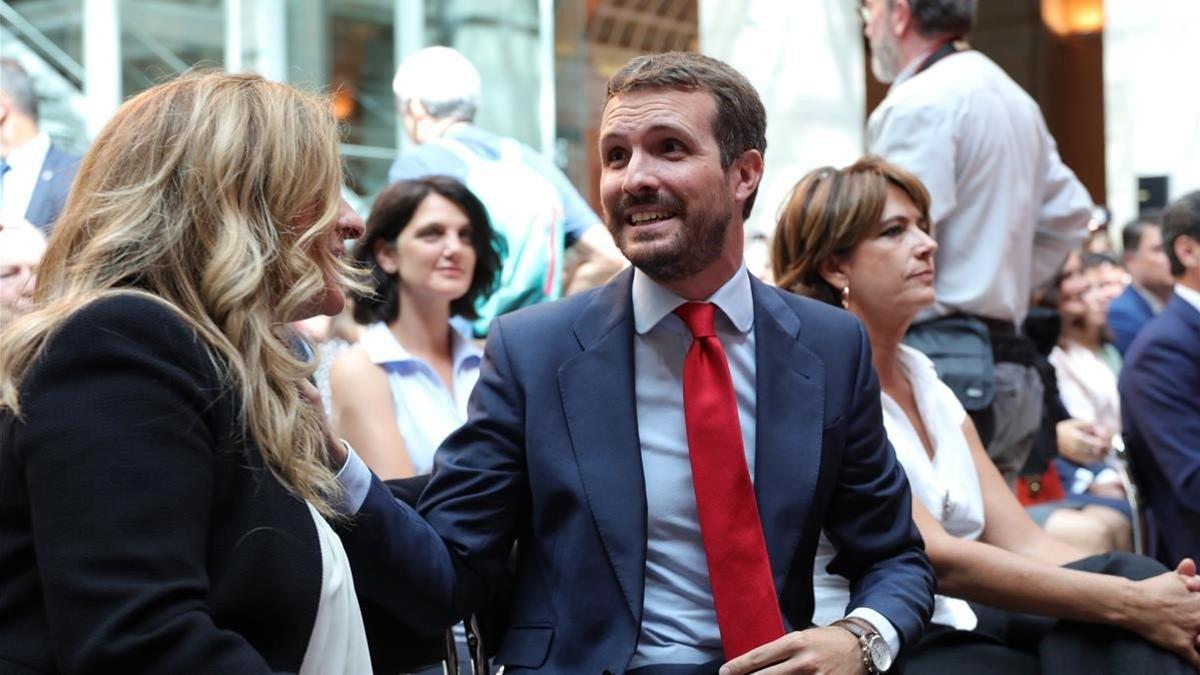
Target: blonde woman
x=165, y=478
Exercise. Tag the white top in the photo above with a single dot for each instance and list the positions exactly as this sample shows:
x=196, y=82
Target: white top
x=947, y=486
x=679, y=622
x=338, y=644
x=1087, y=386
x=426, y=412
x=1007, y=210
x=19, y=182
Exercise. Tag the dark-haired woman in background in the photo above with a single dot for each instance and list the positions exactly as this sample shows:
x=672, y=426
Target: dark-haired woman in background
x=859, y=238
x=403, y=388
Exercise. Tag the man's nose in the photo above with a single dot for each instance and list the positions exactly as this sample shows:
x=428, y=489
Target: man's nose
x=640, y=175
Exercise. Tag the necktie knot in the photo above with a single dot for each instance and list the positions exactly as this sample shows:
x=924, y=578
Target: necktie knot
x=699, y=318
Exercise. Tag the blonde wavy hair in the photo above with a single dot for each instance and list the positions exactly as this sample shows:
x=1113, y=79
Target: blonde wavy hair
x=216, y=195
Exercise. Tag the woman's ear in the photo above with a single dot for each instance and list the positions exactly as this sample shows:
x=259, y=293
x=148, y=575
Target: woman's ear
x=385, y=256
x=833, y=271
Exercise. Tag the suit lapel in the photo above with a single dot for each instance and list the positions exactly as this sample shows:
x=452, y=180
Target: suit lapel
x=789, y=423
x=599, y=404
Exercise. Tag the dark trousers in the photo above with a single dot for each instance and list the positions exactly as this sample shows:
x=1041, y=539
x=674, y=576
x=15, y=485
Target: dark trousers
x=1014, y=643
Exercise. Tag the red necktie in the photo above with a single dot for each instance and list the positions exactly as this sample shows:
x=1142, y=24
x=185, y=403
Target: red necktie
x=738, y=569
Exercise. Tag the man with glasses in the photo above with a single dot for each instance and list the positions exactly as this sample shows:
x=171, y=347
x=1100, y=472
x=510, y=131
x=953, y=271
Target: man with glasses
x=1006, y=209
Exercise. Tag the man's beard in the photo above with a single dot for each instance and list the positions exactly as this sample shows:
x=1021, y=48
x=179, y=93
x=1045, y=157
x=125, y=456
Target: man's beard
x=693, y=246
x=884, y=61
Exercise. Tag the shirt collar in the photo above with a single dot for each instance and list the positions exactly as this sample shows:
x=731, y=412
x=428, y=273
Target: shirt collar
x=30, y=154
x=1191, y=296
x=652, y=301
x=911, y=69
x=1156, y=305
x=383, y=347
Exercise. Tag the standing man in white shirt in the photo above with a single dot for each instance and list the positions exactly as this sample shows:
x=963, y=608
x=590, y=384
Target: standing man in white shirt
x=1006, y=209
x=35, y=177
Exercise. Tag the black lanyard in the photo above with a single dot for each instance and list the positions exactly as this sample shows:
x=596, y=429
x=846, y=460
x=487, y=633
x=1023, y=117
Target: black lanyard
x=949, y=47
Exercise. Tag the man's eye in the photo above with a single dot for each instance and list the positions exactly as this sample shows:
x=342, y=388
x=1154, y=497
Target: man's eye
x=615, y=155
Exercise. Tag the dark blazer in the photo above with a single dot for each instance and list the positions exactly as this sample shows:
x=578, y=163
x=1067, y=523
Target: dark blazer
x=139, y=530
x=550, y=456
x=53, y=186
x=1127, y=313
x=1160, y=412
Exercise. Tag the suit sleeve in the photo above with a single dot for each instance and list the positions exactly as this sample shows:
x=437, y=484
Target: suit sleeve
x=479, y=492
x=119, y=469
x=1123, y=324
x=870, y=517
x=1167, y=414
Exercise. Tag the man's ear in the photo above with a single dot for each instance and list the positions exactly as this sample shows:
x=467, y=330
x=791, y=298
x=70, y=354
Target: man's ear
x=833, y=271
x=1187, y=250
x=900, y=18
x=386, y=256
x=747, y=172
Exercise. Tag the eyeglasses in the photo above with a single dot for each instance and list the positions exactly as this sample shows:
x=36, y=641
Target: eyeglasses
x=864, y=12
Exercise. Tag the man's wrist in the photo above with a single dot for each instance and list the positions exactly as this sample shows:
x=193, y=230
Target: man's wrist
x=876, y=654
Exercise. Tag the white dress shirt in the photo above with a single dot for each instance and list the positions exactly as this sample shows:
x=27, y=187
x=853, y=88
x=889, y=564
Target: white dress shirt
x=20, y=181
x=1006, y=209
x=679, y=622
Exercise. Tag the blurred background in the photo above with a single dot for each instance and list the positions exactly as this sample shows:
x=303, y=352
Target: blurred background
x=1111, y=75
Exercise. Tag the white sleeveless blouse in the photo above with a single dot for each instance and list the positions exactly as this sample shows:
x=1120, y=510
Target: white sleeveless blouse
x=946, y=485
x=338, y=645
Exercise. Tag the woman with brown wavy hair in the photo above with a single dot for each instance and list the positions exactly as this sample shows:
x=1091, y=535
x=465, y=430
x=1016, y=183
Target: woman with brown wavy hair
x=165, y=480
x=1012, y=599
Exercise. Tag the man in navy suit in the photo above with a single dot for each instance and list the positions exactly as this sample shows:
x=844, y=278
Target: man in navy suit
x=1160, y=395
x=1150, y=283
x=584, y=445
x=35, y=177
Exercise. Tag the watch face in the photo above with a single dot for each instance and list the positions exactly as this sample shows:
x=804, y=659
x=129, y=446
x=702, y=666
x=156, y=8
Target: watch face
x=881, y=655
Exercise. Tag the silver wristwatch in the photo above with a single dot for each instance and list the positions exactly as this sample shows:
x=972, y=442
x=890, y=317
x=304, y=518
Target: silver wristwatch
x=877, y=656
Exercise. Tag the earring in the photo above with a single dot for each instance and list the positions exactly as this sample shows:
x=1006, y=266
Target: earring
x=846, y=296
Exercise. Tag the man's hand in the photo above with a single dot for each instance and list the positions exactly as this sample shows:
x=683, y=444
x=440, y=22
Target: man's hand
x=1166, y=611
x=816, y=651
x=333, y=447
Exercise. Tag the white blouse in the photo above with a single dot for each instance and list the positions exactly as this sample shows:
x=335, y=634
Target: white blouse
x=426, y=411
x=946, y=485
x=1087, y=385
x=338, y=645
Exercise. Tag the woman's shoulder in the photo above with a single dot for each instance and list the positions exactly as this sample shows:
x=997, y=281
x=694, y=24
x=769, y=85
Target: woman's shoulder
x=123, y=322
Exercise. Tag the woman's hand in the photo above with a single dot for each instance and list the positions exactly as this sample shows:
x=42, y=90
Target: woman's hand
x=1166, y=611
x=1081, y=442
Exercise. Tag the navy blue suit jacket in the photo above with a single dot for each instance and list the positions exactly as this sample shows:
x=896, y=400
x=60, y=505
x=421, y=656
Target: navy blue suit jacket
x=1127, y=314
x=550, y=458
x=53, y=186
x=1160, y=410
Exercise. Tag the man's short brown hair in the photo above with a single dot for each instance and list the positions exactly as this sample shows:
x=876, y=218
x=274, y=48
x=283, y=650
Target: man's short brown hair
x=740, y=123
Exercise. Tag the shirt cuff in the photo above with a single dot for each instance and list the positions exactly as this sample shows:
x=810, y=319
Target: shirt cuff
x=355, y=479
x=885, y=628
